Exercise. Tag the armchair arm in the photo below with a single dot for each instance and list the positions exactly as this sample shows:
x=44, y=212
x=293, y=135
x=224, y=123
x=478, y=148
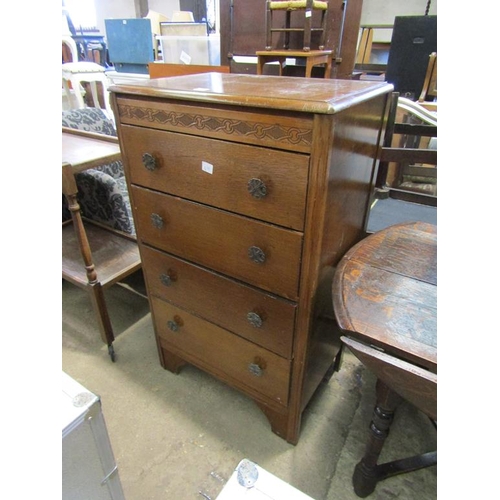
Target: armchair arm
x=103, y=199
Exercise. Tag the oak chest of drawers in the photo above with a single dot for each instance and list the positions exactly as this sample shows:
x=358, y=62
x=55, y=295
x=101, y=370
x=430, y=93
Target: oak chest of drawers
x=246, y=192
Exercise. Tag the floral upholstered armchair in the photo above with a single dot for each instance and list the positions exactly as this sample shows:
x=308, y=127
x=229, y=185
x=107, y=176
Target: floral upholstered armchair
x=103, y=195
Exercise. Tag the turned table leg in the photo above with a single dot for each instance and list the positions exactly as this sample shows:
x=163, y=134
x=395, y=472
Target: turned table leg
x=366, y=474
x=70, y=190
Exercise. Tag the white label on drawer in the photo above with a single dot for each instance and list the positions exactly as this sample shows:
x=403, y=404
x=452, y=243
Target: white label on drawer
x=308, y=13
x=185, y=58
x=207, y=167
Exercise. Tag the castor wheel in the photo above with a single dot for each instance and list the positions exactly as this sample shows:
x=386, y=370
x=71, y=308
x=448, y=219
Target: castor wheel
x=111, y=352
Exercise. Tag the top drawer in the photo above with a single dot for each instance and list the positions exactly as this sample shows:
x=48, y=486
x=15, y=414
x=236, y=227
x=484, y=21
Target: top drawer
x=263, y=183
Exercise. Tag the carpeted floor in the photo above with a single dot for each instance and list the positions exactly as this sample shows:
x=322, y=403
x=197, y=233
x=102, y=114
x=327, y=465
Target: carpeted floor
x=180, y=436
x=385, y=213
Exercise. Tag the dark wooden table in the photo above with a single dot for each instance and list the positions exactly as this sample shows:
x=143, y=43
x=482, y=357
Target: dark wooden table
x=385, y=301
x=93, y=256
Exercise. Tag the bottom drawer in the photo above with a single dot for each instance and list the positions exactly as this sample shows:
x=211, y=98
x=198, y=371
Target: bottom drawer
x=227, y=356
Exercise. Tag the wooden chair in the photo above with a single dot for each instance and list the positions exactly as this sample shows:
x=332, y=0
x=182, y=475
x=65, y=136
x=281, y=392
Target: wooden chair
x=68, y=44
x=76, y=72
x=407, y=157
x=429, y=88
x=397, y=380
x=306, y=8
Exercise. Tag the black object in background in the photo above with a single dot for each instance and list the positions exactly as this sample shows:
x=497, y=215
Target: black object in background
x=414, y=38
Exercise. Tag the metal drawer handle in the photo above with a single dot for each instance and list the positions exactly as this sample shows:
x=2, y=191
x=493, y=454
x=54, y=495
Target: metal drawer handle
x=255, y=369
x=157, y=221
x=257, y=255
x=175, y=324
x=149, y=161
x=254, y=319
x=257, y=188
x=167, y=278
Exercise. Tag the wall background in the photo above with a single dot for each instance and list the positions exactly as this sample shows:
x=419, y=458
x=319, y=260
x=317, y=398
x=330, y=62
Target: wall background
x=384, y=12
x=373, y=12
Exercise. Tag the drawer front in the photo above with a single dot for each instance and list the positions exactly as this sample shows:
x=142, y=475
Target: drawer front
x=226, y=355
x=260, y=127
x=258, y=253
x=260, y=317
x=259, y=182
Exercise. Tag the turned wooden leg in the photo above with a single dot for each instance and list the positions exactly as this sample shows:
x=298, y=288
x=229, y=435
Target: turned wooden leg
x=366, y=474
x=101, y=311
x=94, y=287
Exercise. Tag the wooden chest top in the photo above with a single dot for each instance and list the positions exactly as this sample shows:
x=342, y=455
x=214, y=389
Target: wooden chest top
x=309, y=95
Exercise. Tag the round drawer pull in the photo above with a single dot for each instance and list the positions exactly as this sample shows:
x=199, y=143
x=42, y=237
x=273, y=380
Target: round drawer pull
x=175, y=324
x=157, y=221
x=149, y=161
x=172, y=325
x=257, y=255
x=254, y=319
x=255, y=369
x=166, y=279
x=257, y=188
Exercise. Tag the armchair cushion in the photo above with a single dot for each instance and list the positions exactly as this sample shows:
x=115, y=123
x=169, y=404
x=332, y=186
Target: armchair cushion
x=102, y=191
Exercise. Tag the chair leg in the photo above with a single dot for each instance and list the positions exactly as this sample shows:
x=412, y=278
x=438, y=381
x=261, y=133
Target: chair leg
x=75, y=83
x=288, y=23
x=95, y=95
x=307, y=30
x=67, y=91
x=105, y=94
x=323, y=28
x=269, y=24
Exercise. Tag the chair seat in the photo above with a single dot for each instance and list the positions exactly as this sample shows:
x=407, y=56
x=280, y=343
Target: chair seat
x=82, y=67
x=297, y=4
